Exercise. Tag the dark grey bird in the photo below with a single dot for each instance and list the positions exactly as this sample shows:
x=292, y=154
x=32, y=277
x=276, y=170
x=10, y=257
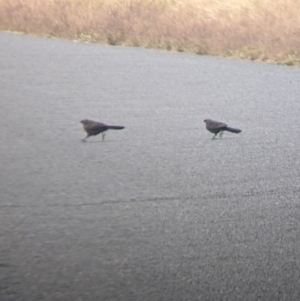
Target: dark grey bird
x=94, y=128
x=217, y=127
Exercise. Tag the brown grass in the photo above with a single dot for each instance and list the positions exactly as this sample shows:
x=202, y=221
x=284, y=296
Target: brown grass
x=267, y=30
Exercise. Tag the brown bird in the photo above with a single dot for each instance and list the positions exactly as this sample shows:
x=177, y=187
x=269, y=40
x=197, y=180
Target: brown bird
x=94, y=128
x=217, y=127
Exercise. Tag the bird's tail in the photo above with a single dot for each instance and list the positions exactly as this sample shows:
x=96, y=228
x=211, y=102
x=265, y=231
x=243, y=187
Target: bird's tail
x=115, y=127
x=232, y=130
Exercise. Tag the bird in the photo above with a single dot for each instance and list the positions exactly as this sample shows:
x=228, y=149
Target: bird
x=217, y=127
x=93, y=128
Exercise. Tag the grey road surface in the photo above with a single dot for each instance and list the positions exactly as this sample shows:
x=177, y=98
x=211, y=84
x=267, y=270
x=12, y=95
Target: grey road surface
x=158, y=211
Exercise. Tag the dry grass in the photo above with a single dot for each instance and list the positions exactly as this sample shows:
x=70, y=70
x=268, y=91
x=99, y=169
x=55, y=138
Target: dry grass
x=267, y=30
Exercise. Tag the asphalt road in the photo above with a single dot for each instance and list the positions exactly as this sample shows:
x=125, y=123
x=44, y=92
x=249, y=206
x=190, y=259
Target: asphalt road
x=158, y=211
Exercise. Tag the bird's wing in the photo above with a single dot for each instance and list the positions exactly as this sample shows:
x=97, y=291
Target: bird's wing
x=96, y=125
x=216, y=124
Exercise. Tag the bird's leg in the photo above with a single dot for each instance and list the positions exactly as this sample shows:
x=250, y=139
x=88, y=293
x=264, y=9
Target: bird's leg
x=221, y=134
x=84, y=139
x=214, y=136
x=103, y=135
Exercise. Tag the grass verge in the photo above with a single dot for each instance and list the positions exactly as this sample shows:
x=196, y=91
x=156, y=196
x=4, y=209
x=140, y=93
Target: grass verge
x=265, y=30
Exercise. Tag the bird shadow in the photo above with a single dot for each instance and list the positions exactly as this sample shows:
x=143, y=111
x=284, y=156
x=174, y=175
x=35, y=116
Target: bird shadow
x=97, y=141
x=223, y=138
